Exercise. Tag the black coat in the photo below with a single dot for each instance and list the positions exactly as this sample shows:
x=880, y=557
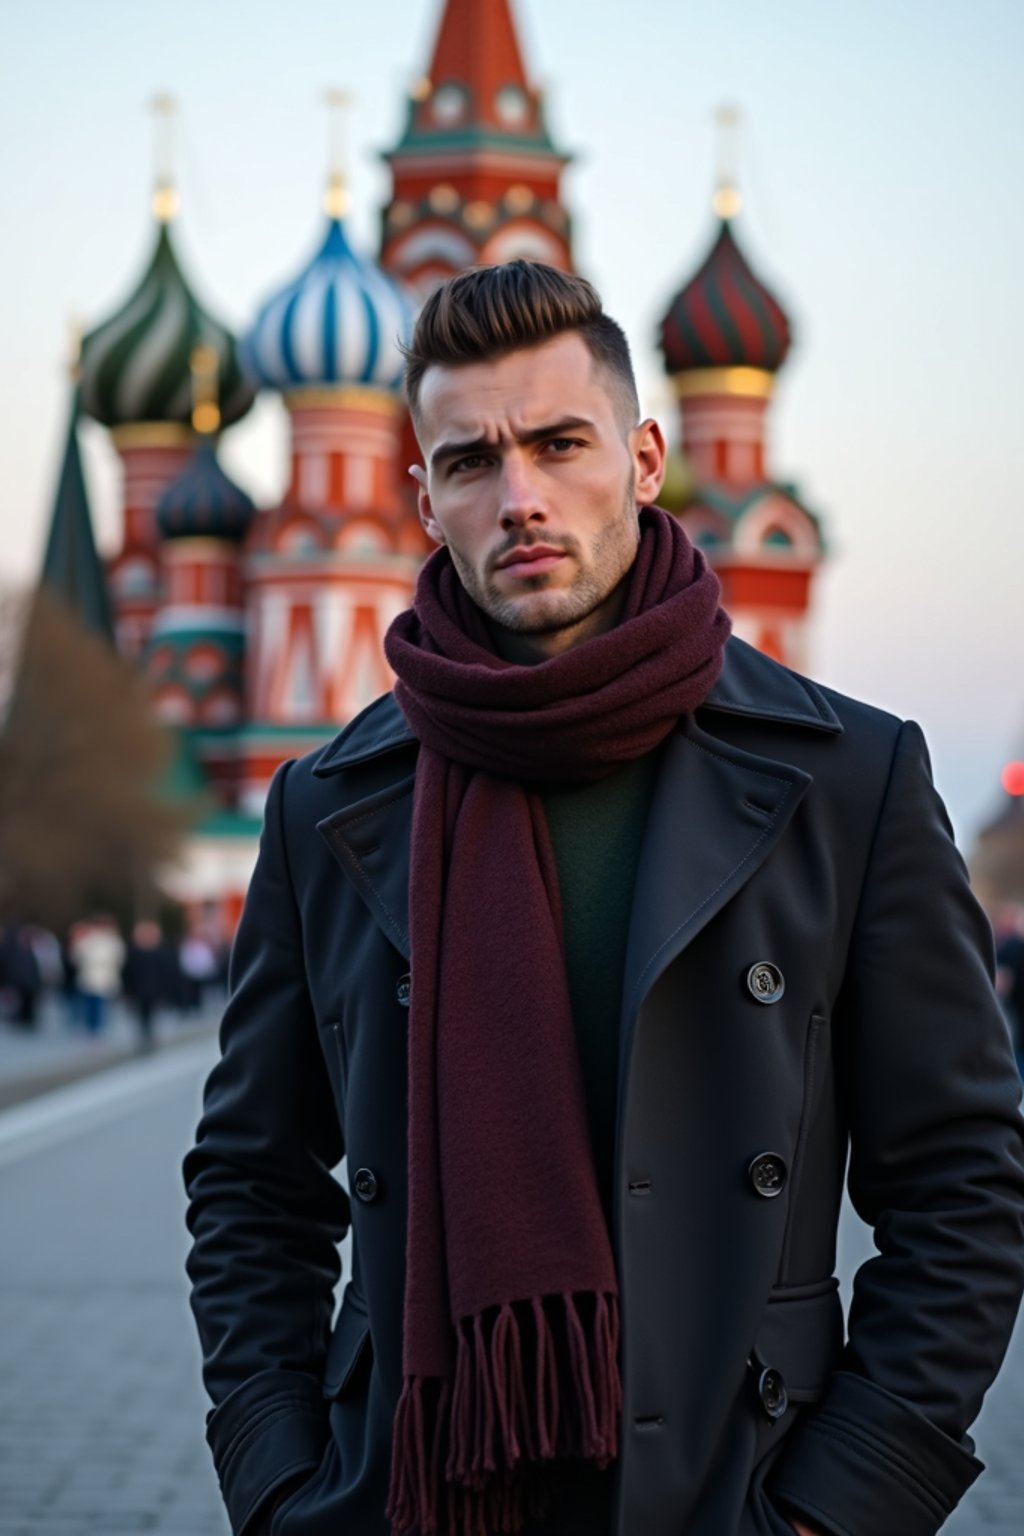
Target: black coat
x=149, y=975
x=793, y=830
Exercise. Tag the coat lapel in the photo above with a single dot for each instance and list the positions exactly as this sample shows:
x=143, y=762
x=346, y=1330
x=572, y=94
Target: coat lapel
x=370, y=834
x=716, y=815
x=370, y=840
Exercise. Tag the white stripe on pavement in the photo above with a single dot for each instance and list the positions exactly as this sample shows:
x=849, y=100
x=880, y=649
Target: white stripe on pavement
x=65, y=1112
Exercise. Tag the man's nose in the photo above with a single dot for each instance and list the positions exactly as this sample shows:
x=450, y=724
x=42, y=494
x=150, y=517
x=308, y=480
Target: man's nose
x=521, y=498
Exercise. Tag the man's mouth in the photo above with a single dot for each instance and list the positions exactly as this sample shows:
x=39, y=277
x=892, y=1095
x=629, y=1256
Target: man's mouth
x=530, y=559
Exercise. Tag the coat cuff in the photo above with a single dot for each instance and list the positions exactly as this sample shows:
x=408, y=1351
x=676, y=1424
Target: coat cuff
x=270, y=1428
x=867, y=1461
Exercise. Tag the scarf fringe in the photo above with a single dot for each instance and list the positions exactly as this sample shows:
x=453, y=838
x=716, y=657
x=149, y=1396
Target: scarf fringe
x=486, y=1433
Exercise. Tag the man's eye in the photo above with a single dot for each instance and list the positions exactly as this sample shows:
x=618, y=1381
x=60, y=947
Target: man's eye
x=563, y=443
x=471, y=461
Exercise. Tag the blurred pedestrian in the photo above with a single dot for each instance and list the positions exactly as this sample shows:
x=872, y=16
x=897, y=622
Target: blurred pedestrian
x=97, y=952
x=20, y=979
x=47, y=950
x=197, y=961
x=148, y=976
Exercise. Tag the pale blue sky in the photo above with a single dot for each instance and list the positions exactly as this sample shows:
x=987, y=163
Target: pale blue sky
x=882, y=162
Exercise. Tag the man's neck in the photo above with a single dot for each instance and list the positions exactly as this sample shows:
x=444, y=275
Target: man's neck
x=526, y=650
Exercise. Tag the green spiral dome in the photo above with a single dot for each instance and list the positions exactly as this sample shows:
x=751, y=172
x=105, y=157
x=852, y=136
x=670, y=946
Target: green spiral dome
x=136, y=366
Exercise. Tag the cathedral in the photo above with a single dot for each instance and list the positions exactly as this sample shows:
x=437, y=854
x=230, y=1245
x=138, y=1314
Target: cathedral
x=261, y=628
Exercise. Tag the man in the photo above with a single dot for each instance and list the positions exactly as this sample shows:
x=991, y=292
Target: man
x=597, y=946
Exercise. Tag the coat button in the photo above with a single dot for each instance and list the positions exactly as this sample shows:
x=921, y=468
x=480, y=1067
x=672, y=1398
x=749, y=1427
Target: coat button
x=767, y=1173
x=771, y=1389
x=365, y=1184
x=403, y=989
x=765, y=982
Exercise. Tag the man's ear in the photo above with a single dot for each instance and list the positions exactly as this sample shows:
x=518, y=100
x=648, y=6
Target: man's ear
x=423, y=507
x=647, y=442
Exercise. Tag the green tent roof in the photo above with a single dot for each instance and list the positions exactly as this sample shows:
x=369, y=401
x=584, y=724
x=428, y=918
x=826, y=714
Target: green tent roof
x=72, y=568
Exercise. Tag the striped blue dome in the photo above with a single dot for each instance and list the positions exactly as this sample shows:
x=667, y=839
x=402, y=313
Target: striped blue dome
x=203, y=502
x=339, y=322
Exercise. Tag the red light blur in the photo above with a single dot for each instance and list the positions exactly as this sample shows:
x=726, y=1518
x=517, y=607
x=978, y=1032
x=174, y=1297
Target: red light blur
x=1013, y=778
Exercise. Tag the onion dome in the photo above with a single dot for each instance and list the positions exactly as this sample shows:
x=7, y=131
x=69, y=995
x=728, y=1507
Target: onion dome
x=135, y=366
x=724, y=317
x=340, y=322
x=203, y=502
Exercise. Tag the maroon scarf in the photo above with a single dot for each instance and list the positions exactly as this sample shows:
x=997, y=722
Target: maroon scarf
x=511, y=1299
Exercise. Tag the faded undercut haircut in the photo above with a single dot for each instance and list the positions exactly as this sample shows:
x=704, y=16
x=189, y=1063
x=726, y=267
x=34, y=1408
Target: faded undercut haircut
x=487, y=312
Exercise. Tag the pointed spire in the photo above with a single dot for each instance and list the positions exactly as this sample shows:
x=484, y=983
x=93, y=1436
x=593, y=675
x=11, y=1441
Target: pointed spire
x=477, y=45
x=72, y=569
x=165, y=194
x=204, y=364
x=477, y=177
x=337, y=199
x=477, y=82
x=727, y=201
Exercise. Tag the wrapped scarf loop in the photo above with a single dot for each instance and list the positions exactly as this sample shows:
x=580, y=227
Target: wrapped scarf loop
x=511, y=1322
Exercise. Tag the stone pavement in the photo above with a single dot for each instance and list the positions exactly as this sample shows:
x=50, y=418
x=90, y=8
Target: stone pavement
x=101, y=1408
x=58, y=1051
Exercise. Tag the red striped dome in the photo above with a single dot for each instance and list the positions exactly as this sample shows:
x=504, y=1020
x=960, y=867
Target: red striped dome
x=724, y=317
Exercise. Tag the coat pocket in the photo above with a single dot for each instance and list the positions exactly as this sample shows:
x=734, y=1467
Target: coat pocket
x=801, y=1338
x=349, y=1345
x=335, y=1051
x=797, y=1349
x=798, y=1346
x=815, y=1048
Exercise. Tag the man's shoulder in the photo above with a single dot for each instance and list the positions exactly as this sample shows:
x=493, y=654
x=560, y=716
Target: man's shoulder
x=380, y=728
x=754, y=685
x=376, y=731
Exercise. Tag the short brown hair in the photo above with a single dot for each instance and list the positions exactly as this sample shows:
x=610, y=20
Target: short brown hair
x=488, y=311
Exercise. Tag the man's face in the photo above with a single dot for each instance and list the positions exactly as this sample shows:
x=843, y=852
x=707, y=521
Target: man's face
x=533, y=481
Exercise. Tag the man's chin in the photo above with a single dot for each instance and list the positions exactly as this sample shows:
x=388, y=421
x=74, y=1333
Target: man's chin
x=537, y=616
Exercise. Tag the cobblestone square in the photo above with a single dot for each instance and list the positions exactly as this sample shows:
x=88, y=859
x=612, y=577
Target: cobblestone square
x=101, y=1406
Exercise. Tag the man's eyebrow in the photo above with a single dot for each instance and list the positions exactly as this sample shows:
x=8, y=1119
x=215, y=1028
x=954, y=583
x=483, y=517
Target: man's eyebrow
x=454, y=450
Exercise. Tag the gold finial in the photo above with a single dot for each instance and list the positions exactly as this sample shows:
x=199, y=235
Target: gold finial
x=165, y=194
x=75, y=333
x=727, y=201
x=421, y=88
x=205, y=365
x=337, y=200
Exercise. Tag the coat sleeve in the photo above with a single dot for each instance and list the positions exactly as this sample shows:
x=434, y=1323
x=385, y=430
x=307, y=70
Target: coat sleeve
x=264, y=1211
x=936, y=1169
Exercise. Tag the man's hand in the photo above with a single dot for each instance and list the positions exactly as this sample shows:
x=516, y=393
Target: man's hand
x=804, y=1530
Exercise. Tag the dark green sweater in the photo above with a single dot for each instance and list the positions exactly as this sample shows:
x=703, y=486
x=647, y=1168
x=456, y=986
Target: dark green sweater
x=596, y=832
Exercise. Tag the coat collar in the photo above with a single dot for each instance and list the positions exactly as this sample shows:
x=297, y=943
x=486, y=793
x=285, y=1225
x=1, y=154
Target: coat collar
x=750, y=684
x=730, y=804
x=379, y=729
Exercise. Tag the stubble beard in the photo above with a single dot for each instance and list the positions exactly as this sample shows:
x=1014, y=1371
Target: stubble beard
x=565, y=608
